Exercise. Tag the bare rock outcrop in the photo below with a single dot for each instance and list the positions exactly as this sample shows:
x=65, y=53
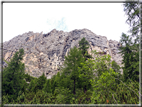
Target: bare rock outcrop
x=45, y=52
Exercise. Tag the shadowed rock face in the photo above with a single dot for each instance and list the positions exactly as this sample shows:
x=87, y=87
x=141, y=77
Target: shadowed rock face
x=45, y=52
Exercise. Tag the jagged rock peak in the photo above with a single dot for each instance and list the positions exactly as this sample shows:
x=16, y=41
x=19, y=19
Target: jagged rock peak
x=43, y=53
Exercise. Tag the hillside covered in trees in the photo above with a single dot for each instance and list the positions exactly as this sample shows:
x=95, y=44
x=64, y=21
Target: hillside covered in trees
x=81, y=80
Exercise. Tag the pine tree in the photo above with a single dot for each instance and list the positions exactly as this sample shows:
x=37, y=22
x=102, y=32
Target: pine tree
x=83, y=46
x=47, y=86
x=54, y=84
x=132, y=10
x=41, y=81
x=57, y=80
x=71, y=64
x=31, y=86
x=130, y=60
x=12, y=80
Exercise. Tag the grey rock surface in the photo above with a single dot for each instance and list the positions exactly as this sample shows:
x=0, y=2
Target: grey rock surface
x=45, y=52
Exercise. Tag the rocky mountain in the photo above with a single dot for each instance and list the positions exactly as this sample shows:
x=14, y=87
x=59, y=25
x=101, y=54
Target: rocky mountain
x=45, y=52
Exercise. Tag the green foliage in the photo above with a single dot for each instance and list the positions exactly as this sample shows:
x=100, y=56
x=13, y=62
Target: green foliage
x=130, y=60
x=37, y=84
x=5, y=99
x=86, y=74
x=127, y=93
x=47, y=98
x=5, y=61
x=81, y=97
x=63, y=95
x=80, y=81
x=65, y=81
x=35, y=100
x=104, y=87
x=54, y=84
x=130, y=49
x=29, y=96
x=131, y=9
x=71, y=64
x=12, y=78
x=55, y=81
x=41, y=81
x=83, y=46
x=28, y=78
x=39, y=97
x=108, y=85
x=115, y=66
x=21, y=98
x=130, y=52
x=47, y=86
x=101, y=63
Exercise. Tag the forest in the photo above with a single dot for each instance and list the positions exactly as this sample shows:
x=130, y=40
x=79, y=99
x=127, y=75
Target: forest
x=82, y=79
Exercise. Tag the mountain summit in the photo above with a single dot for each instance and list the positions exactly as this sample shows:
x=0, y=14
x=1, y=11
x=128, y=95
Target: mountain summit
x=45, y=52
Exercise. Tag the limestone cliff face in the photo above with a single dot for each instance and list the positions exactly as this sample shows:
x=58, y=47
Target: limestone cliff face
x=45, y=52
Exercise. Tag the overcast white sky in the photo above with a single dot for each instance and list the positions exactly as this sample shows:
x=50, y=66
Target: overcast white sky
x=105, y=19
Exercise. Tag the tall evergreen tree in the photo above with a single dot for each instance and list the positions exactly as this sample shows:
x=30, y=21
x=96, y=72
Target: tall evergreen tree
x=132, y=10
x=130, y=44
x=12, y=80
x=83, y=46
x=71, y=64
x=130, y=58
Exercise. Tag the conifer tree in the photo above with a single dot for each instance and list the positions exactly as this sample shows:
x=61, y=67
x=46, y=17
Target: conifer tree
x=54, y=84
x=130, y=60
x=12, y=80
x=41, y=81
x=47, y=86
x=31, y=86
x=130, y=43
x=71, y=64
x=57, y=79
x=83, y=46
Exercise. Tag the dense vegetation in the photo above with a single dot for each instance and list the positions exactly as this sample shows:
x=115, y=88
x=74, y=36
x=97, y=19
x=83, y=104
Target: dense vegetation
x=81, y=79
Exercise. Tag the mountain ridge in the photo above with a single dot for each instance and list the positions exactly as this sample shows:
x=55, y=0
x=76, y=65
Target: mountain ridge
x=45, y=52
